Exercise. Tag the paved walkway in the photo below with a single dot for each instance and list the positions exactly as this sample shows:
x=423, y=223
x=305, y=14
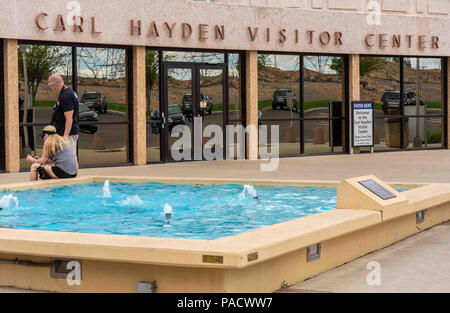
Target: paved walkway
x=409, y=167
x=417, y=264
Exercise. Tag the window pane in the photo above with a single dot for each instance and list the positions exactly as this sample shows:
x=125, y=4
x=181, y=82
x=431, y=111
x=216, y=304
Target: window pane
x=234, y=84
x=388, y=133
x=317, y=137
x=30, y=143
x=380, y=83
x=102, y=90
x=153, y=142
x=179, y=97
x=423, y=76
x=323, y=84
x=41, y=61
x=152, y=106
x=278, y=86
x=103, y=144
x=288, y=138
x=102, y=81
x=427, y=135
x=235, y=141
x=323, y=99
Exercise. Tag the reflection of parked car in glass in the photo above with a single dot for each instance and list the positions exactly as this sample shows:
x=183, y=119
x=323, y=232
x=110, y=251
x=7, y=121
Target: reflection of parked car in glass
x=86, y=115
x=95, y=101
x=187, y=104
x=391, y=100
x=280, y=99
x=175, y=117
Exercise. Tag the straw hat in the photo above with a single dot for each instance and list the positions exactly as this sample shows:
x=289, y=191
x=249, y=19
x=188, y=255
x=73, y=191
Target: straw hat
x=48, y=130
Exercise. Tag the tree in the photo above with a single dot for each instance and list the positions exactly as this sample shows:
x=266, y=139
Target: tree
x=41, y=62
x=366, y=65
x=263, y=61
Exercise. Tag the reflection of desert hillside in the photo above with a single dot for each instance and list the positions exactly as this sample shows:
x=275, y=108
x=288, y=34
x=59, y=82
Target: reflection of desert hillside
x=387, y=77
x=114, y=89
x=317, y=86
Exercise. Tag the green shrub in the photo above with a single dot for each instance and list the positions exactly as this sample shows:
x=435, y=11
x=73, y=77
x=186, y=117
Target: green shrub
x=434, y=137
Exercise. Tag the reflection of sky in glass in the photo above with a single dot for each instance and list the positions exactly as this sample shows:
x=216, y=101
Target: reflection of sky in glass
x=426, y=63
x=199, y=57
x=233, y=61
x=101, y=62
x=292, y=63
x=283, y=62
x=180, y=73
x=319, y=64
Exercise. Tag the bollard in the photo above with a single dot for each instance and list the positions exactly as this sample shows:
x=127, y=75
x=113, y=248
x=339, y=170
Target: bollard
x=319, y=139
x=98, y=143
x=290, y=135
x=376, y=138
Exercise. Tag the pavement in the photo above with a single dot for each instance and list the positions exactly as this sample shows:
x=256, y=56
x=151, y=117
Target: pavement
x=415, y=167
x=418, y=264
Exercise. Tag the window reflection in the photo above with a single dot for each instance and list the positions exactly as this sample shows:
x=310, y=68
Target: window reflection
x=103, y=96
x=152, y=106
x=36, y=99
x=423, y=77
x=235, y=105
x=193, y=57
x=279, y=86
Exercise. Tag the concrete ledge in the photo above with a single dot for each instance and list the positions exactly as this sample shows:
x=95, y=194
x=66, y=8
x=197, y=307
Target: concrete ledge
x=268, y=242
x=254, y=261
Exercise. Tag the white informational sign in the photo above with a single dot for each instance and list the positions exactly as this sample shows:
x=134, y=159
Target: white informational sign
x=363, y=124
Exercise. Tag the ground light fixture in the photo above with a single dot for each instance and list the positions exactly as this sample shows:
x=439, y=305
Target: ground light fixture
x=146, y=287
x=313, y=252
x=420, y=217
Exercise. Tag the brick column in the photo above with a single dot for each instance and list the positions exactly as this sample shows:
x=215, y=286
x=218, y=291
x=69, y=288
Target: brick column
x=251, y=91
x=139, y=107
x=354, y=91
x=10, y=61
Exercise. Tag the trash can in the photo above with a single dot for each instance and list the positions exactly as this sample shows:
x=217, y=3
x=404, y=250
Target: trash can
x=392, y=127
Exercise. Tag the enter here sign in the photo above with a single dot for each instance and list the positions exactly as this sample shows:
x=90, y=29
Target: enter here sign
x=363, y=124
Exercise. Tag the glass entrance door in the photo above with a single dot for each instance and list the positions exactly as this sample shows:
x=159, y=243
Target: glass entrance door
x=211, y=110
x=193, y=112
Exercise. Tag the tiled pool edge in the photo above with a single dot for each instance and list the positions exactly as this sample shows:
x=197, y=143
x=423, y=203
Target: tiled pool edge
x=256, y=261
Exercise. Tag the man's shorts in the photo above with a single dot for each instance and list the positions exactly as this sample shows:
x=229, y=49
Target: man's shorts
x=73, y=145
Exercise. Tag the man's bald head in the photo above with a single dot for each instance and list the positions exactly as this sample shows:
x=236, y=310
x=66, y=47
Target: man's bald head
x=56, y=82
x=55, y=78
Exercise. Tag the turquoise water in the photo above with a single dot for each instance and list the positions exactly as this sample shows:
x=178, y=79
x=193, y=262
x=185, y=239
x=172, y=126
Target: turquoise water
x=199, y=211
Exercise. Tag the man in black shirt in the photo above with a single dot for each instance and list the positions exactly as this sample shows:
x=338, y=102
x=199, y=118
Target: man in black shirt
x=66, y=116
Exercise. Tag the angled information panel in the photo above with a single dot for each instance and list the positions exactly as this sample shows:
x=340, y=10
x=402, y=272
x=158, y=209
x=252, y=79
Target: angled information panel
x=377, y=189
